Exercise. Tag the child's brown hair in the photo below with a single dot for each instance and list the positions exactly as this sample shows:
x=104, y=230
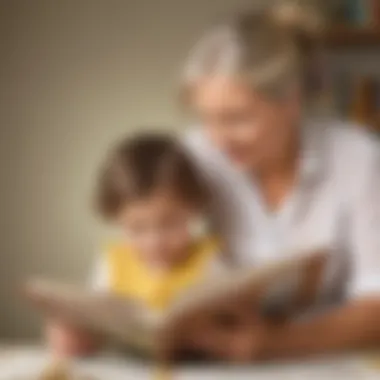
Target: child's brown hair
x=141, y=165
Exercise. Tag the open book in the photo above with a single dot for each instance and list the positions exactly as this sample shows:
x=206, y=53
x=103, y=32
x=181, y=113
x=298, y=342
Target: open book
x=286, y=286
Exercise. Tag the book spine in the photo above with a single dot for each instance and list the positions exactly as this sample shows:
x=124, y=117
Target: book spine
x=349, y=11
x=373, y=92
x=365, y=13
x=376, y=105
x=346, y=93
x=377, y=101
x=359, y=112
x=364, y=108
x=339, y=92
x=370, y=14
x=359, y=12
x=375, y=9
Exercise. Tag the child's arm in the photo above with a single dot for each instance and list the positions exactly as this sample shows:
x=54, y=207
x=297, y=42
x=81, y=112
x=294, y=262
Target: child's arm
x=355, y=325
x=67, y=341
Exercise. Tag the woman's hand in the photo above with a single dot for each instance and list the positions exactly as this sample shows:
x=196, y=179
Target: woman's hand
x=240, y=338
x=352, y=326
x=233, y=336
x=67, y=341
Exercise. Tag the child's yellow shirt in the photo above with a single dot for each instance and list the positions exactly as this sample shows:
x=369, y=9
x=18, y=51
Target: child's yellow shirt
x=130, y=276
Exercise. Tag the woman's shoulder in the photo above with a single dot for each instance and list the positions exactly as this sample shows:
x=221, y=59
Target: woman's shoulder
x=354, y=136
x=352, y=151
x=352, y=143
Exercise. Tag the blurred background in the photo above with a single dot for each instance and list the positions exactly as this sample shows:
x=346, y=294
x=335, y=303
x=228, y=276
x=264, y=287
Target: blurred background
x=76, y=74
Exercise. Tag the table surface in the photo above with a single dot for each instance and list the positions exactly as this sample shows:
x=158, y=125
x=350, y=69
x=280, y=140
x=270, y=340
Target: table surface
x=28, y=362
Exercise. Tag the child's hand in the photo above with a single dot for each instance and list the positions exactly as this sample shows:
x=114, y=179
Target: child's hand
x=67, y=341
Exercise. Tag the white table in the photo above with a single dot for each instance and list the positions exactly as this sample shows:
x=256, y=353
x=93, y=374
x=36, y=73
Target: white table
x=26, y=363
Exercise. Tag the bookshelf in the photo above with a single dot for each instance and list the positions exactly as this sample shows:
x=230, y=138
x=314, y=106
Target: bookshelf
x=352, y=37
x=350, y=88
x=355, y=94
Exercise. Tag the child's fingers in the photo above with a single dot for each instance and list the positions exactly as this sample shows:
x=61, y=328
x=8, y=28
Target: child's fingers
x=29, y=291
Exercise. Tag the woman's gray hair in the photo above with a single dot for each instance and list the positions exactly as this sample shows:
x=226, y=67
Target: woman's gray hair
x=268, y=49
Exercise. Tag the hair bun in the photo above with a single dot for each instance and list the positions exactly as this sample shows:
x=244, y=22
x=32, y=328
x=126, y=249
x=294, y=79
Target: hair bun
x=305, y=20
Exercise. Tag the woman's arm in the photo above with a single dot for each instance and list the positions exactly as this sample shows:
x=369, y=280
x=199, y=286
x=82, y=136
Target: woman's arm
x=356, y=324
x=353, y=326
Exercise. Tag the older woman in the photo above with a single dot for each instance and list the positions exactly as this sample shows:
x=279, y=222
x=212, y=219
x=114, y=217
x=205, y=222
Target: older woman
x=282, y=180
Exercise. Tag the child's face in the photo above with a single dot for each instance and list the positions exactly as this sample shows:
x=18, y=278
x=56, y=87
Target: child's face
x=159, y=227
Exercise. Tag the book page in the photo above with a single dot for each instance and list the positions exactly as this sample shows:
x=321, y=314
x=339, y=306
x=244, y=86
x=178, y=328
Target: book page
x=124, y=320
x=289, y=284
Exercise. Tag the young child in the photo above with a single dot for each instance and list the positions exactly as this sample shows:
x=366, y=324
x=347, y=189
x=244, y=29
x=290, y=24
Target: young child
x=151, y=191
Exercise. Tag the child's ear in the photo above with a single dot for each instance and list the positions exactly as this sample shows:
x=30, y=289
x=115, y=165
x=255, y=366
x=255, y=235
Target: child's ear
x=199, y=227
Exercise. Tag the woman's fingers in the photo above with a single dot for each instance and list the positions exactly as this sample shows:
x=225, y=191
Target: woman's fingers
x=227, y=334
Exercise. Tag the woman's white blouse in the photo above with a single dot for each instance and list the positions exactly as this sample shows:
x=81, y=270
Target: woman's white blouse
x=335, y=204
